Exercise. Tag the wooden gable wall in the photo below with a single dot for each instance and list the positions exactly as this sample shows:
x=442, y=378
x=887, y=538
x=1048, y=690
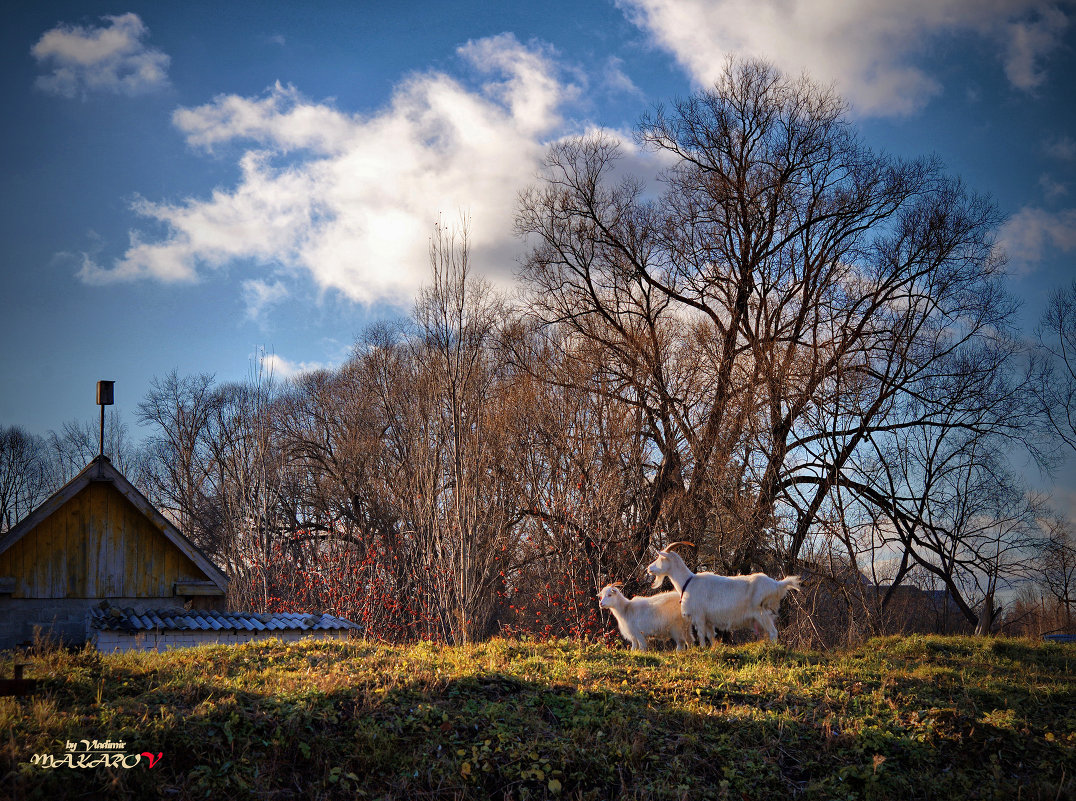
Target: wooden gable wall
x=96, y=545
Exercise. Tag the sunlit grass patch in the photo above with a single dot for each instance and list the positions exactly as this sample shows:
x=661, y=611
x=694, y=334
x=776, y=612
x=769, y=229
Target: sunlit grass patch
x=898, y=718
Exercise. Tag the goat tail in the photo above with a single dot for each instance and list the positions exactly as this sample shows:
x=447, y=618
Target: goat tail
x=791, y=583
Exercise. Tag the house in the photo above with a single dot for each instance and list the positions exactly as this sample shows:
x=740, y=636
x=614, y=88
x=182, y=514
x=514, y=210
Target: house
x=97, y=541
x=915, y=609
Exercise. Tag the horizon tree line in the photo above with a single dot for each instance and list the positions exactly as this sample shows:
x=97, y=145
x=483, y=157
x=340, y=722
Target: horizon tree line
x=792, y=350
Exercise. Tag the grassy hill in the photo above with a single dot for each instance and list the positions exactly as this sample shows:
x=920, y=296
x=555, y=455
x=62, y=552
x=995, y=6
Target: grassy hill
x=898, y=718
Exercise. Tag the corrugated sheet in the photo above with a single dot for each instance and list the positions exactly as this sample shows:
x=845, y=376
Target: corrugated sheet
x=116, y=619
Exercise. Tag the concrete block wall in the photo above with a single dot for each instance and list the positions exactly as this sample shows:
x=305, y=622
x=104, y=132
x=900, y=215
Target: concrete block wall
x=118, y=641
x=64, y=619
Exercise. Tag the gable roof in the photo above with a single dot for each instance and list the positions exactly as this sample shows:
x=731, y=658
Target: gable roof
x=115, y=619
x=101, y=469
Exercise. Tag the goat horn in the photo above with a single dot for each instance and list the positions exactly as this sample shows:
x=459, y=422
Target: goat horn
x=672, y=545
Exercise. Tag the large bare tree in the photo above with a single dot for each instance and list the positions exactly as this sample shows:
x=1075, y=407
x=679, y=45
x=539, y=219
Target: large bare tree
x=784, y=299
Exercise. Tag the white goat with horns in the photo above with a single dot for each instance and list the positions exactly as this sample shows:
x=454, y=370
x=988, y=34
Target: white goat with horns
x=645, y=618
x=709, y=601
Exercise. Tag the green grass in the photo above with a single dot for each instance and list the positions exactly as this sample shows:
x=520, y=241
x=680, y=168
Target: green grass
x=898, y=718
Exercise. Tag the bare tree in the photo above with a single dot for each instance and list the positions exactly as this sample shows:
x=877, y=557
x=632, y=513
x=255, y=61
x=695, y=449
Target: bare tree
x=77, y=443
x=247, y=477
x=580, y=464
x=784, y=304
x=217, y=469
x=1057, y=565
x=1057, y=339
x=402, y=460
x=1056, y=334
x=177, y=411
x=944, y=501
x=456, y=320
x=25, y=474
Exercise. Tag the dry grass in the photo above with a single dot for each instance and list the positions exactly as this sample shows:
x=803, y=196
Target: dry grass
x=898, y=718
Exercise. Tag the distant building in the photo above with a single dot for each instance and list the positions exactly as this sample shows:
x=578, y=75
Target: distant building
x=97, y=542
x=913, y=609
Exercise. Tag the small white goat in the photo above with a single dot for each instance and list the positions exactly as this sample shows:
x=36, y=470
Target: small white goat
x=709, y=601
x=645, y=618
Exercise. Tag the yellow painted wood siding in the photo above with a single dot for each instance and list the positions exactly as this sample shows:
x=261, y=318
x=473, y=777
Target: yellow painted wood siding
x=97, y=545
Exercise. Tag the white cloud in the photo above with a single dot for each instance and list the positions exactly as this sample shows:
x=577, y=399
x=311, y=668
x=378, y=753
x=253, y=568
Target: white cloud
x=113, y=58
x=281, y=119
x=1052, y=188
x=280, y=368
x=865, y=48
x=261, y=295
x=1027, y=41
x=352, y=199
x=1026, y=235
x=1062, y=148
x=615, y=80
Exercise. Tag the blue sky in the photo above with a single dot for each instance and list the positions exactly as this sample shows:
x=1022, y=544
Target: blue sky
x=185, y=183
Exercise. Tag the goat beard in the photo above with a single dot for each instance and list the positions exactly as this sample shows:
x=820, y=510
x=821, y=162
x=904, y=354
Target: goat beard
x=660, y=577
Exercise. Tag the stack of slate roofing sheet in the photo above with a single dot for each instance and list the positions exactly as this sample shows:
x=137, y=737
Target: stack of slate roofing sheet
x=116, y=619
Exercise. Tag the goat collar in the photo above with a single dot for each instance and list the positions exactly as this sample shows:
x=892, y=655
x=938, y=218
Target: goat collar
x=684, y=588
